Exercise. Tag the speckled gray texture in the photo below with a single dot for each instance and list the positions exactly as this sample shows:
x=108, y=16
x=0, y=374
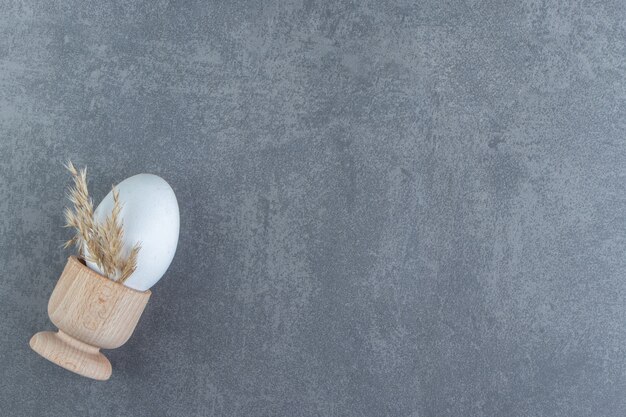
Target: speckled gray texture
x=387, y=209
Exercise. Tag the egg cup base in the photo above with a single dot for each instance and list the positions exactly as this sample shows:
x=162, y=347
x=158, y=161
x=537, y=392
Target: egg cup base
x=72, y=354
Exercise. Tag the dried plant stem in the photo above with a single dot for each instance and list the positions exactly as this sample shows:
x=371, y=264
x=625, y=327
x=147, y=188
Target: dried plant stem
x=100, y=243
x=131, y=263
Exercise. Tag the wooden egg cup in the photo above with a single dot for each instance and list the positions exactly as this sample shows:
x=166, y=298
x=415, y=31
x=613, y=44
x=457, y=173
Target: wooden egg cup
x=91, y=312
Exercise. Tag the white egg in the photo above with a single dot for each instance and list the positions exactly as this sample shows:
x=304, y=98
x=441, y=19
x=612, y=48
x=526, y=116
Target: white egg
x=150, y=217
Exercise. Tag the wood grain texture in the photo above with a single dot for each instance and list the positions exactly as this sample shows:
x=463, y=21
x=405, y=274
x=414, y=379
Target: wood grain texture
x=91, y=312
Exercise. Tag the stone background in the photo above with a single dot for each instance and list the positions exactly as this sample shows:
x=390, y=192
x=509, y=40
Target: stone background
x=387, y=209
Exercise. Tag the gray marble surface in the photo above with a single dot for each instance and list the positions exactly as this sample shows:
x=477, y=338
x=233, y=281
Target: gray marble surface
x=387, y=208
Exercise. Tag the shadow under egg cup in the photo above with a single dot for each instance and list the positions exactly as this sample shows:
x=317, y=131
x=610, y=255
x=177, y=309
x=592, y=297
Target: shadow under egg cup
x=91, y=312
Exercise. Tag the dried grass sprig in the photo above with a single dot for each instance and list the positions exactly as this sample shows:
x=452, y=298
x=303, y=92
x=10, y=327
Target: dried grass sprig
x=103, y=241
x=131, y=263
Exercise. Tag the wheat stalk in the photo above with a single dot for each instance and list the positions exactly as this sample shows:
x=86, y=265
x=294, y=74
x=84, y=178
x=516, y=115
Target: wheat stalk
x=103, y=241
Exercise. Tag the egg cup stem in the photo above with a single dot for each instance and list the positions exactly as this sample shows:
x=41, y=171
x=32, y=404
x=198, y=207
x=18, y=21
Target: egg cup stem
x=91, y=312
